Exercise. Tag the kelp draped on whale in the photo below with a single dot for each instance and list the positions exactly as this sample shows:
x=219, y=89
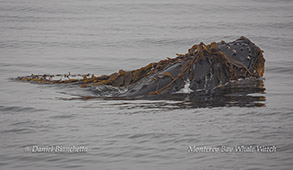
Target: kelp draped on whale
x=204, y=67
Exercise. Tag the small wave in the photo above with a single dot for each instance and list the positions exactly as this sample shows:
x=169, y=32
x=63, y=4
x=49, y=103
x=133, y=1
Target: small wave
x=63, y=116
x=17, y=131
x=9, y=109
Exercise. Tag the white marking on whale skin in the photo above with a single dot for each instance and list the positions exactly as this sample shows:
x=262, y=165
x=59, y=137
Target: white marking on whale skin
x=186, y=88
x=122, y=90
x=205, y=82
x=110, y=91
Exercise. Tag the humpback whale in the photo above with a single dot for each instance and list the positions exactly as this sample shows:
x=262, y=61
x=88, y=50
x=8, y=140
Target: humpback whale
x=202, y=68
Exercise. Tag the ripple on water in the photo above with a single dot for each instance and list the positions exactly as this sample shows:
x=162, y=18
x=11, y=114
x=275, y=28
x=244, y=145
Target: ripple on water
x=63, y=116
x=17, y=131
x=18, y=109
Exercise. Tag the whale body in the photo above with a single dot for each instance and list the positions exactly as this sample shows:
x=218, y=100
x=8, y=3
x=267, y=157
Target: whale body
x=202, y=68
x=208, y=67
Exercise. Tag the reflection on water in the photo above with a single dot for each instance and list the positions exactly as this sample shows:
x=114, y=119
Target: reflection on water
x=244, y=93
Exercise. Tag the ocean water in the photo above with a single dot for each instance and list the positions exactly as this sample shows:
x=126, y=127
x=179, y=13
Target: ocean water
x=101, y=37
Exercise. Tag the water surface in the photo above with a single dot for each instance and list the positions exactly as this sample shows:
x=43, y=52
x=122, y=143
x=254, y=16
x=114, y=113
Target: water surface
x=102, y=37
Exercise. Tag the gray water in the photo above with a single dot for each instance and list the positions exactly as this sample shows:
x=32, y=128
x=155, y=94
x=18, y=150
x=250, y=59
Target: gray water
x=101, y=37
